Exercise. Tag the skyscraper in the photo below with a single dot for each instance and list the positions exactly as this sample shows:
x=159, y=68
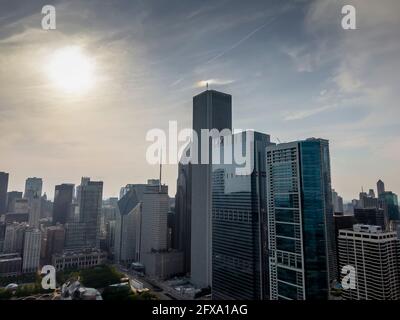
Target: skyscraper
x=391, y=204
x=301, y=243
x=55, y=239
x=62, y=207
x=380, y=186
x=32, y=246
x=211, y=110
x=3, y=192
x=183, y=199
x=34, y=211
x=12, y=196
x=14, y=238
x=240, y=260
x=33, y=186
x=128, y=226
x=375, y=256
x=90, y=202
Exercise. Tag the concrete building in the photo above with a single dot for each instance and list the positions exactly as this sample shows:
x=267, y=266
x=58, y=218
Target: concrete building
x=62, y=207
x=375, y=256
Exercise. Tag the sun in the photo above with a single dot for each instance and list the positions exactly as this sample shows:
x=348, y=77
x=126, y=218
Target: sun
x=71, y=70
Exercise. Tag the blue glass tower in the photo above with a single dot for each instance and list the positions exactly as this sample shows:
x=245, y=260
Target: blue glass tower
x=300, y=220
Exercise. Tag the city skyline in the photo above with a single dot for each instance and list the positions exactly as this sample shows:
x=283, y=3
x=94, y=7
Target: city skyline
x=291, y=68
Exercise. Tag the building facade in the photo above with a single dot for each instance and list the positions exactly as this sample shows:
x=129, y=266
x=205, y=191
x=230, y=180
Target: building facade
x=302, y=255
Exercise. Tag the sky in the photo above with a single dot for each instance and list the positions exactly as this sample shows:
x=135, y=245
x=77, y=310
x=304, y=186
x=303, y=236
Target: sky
x=292, y=70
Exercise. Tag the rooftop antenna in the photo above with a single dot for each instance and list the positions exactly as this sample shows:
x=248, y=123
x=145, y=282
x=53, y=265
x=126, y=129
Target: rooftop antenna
x=207, y=86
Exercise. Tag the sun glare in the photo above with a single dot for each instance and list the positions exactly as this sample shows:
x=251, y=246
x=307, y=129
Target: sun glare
x=71, y=70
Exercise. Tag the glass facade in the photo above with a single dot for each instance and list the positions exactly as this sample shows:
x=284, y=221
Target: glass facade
x=238, y=214
x=300, y=216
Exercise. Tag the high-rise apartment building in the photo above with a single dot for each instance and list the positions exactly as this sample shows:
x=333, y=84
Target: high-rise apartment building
x=211, y=110
x=302, y=255
x=375, y=256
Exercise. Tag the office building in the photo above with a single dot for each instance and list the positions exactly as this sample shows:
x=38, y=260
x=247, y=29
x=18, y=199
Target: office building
x=14, y=238
x=240, y=261
x=34, y=211
x=3, y=192
x=380, y=186
x=375, y=256
x=128, y=226
x=10, y=264
x=12, y=196
x=371, y=216
x=337, y=202
x=211, y=110
x=90, y=203
x=391, y=204
x=62, y=207
x=183, y=212
x=31, y=254
x=33, y=186
x=79, y=259
x=55, y=240
x=302, y=255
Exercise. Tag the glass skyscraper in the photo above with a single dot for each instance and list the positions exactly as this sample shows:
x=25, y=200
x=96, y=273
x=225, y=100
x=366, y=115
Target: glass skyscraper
x=239, y=265
x=302, y=259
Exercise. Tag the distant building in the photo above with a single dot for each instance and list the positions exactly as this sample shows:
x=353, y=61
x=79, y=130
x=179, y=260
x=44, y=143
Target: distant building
x=34, y=211
x=21, y=206
x=14, y=238
x=79, y=259
x=90, y=203
x=337, y=202
x=302, y=254
x=371, y=216
x=3, y=192
x=31, y=254
x=163, y=265
x=10, y=264
x=33, y=186
x=62, y=207
x=375, y=256
x=380, y=187
x=12, y=196
x=391, y=204
x=55, y=240
x=183, y=213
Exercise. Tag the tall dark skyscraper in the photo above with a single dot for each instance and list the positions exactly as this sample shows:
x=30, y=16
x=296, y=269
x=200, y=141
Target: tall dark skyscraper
x=90, y=202
x=183, y=199
x=240, y=260
x=302, y=248
x=211, y=110
x=3, y=192
x=33, y=187
x=380, y=186
x=62, y=207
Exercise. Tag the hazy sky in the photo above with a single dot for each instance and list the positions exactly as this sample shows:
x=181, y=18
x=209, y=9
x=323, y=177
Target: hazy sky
x=292, y=70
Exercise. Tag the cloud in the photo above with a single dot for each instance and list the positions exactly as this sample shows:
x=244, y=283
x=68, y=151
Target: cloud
x=217, y=82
